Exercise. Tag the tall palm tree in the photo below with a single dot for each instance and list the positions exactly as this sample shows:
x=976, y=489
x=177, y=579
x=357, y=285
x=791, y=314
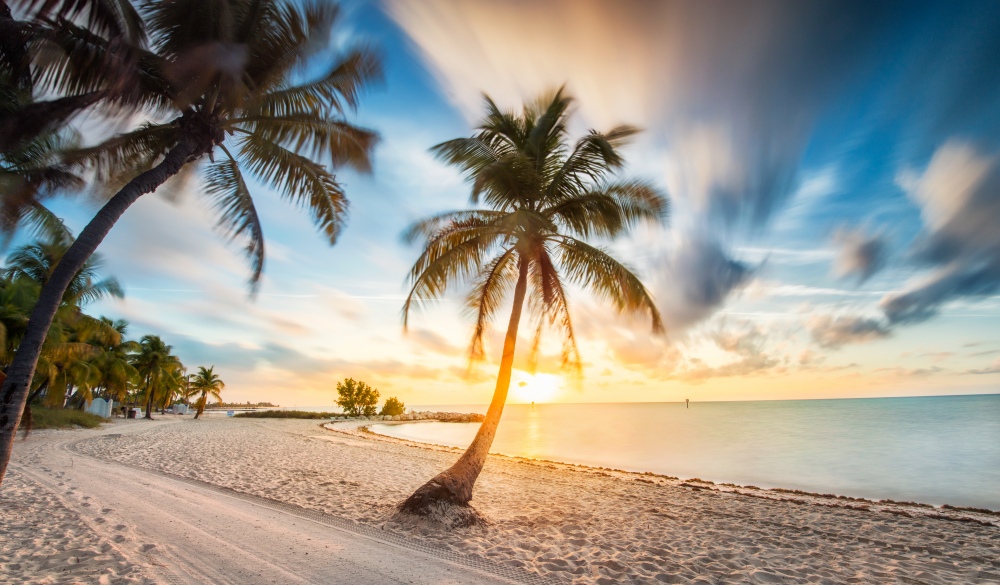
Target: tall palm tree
x=223, y=79
x=544, y=198
x=208, y=384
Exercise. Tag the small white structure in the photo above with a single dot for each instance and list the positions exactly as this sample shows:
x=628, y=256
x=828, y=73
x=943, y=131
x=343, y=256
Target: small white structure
x=180, y=408
x=100, y=407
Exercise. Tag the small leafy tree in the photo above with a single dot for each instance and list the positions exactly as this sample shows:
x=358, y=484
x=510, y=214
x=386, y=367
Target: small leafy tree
x=356, y=397
x=392, y=407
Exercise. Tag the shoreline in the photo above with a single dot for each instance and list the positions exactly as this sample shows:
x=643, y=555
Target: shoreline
x=983, y=516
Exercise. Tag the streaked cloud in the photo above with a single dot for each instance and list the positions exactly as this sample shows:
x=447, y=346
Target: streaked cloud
x=859, y=255
x=959, y=198
x=833, y=332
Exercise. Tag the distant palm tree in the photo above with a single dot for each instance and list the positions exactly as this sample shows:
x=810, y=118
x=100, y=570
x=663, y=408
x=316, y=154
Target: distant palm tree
x=229, y=71
x=113, y=364
x=544, y=198
x=208, y=384
x=155, y=366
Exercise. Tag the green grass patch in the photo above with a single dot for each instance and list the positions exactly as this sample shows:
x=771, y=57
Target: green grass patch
x=62, y=418
x=286, y=414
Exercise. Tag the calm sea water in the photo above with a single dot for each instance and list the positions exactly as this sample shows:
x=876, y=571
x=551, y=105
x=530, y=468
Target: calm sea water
x=937, y=450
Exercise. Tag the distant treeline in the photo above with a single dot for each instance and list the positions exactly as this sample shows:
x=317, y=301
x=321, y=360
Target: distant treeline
x=246, y=404
x=288, y=414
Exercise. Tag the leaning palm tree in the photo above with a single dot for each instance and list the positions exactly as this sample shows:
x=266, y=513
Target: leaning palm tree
x=208, y=384
x=544, y=198
x=224, y=80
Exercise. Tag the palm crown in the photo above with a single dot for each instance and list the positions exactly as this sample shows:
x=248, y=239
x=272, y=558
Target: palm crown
x=545, y=198
x=227, y=70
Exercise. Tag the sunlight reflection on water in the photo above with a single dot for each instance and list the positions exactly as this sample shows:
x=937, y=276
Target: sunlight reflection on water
x=929, y=449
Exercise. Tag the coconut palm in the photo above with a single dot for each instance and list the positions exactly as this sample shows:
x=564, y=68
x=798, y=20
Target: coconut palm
x=544, y=198
x=208, y=384
x=155, y=366
x=223, y=78
x=113, y=365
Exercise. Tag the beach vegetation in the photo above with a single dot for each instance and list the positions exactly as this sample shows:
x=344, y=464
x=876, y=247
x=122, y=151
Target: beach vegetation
x=543, y=198
x=218, y=88
x=207, y=384
x=63, y=418
x=392, y=407
x=303, y=414
x=357, y=398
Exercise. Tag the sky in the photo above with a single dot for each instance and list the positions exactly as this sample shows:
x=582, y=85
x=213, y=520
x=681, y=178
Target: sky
x=834, y=176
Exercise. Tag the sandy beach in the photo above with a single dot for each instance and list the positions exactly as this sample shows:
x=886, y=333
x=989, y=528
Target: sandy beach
x=549, y=522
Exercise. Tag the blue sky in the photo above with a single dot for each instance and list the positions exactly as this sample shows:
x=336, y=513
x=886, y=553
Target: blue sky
x=834, y=171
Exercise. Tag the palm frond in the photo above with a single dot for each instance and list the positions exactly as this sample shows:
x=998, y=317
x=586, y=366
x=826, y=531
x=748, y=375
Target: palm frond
x=238, y=216
x=612, y=281
x=295, y=177
x=434, y=271
x=610, y=209
x=315, y=136
x=497, y=280
x=115, y=18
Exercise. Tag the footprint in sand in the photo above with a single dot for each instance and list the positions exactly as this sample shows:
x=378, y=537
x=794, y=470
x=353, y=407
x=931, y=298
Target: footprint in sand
x=120, y=527
x=85, y=504
x=100, y=520
x=105, y=510
x=147, y=547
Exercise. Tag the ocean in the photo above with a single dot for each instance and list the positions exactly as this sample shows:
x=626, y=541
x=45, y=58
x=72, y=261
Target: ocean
x=935, y=450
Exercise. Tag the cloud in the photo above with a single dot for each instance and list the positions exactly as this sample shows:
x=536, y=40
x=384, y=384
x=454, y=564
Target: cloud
x=743, y=340
x=993, y=368
x=959, y=198
x=695, y=278
x=731, y=90
x=835, y=332
x=859, y=254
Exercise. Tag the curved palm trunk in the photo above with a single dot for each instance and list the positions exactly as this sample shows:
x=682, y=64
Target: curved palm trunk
x=454, y=485
x=15, y=388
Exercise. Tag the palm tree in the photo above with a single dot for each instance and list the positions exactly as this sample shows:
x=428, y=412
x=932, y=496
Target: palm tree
x=206, y=382
x=227, y=71
x=113, y=365
x=544, y=198
x=155, y=365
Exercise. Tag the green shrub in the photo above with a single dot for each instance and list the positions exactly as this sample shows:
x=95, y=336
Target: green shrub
x=392, y=407
x=356, y=397
x=62, y=418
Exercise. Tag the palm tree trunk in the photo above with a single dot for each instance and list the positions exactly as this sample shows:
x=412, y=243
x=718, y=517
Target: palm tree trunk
x=15, y=388
x=454, y=485
x=150, y=387
x=201, y=405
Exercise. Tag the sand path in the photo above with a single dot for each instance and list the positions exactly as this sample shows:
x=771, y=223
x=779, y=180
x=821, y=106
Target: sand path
x=186, y=531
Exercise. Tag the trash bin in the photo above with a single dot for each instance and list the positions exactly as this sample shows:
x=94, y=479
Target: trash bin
x=130, y=413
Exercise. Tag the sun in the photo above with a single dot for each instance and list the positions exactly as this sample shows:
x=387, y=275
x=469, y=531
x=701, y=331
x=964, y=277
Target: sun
x=535, y=388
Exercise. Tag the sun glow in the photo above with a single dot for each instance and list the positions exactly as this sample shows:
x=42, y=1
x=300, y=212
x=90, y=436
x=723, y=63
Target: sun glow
x=535, y=388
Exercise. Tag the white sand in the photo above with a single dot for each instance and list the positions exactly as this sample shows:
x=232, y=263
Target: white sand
x=569, y=524
x=42, y=541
